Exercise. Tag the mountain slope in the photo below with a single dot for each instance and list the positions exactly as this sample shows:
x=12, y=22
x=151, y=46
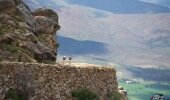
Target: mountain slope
x=165, y=3
x=133, y=39
x=123, y=6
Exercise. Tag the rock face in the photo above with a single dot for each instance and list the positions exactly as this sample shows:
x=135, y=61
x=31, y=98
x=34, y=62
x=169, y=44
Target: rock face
x=55, y=82
x=47, y=25
x=47, y=13
x=32, y=33
x=48, y=21
x=7, y=6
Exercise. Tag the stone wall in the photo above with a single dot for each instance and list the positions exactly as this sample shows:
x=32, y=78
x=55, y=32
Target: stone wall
x=55, y=82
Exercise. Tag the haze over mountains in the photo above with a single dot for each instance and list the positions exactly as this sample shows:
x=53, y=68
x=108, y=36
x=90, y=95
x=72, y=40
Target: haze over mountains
x=129, y=32
x=123, y=6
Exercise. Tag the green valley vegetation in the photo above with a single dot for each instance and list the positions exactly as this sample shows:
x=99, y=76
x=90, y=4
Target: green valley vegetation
x=144, y=91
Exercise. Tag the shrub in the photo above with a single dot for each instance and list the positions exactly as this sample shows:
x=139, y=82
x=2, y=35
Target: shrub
x=84, y=94
x=10, y=48
x=113, y=96
x=14, y=94
x=4, y=29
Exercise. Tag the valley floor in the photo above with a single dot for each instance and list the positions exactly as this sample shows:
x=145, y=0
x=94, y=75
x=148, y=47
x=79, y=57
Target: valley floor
x=144, y=91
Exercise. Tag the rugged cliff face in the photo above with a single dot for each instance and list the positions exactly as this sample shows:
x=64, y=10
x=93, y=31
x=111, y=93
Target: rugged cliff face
x=27, y=36
x=56, y=82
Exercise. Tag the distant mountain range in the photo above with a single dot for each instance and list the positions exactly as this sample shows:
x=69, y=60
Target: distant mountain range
x=114, y=6
x=165, y=3
x=124, y=6
x=138, y=34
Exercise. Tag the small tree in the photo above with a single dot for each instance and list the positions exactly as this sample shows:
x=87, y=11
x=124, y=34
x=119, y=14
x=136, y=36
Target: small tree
x=14, y=94
x=84, y=94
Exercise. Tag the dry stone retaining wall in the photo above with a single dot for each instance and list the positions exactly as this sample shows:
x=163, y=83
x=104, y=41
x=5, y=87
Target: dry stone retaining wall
x=55, y=82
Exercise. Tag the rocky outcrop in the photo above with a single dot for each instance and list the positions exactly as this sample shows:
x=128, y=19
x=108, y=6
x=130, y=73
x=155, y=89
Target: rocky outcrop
x=33, y=34
x=26, y=14
x=47, y=25
x=48, y=21
x=123, y=93
x=47, y=13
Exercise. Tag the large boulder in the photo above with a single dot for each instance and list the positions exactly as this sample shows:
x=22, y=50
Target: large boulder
x=47, y=25
x=48, y=21
x=48, y=18
x=7, y=6
x=47, y=13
